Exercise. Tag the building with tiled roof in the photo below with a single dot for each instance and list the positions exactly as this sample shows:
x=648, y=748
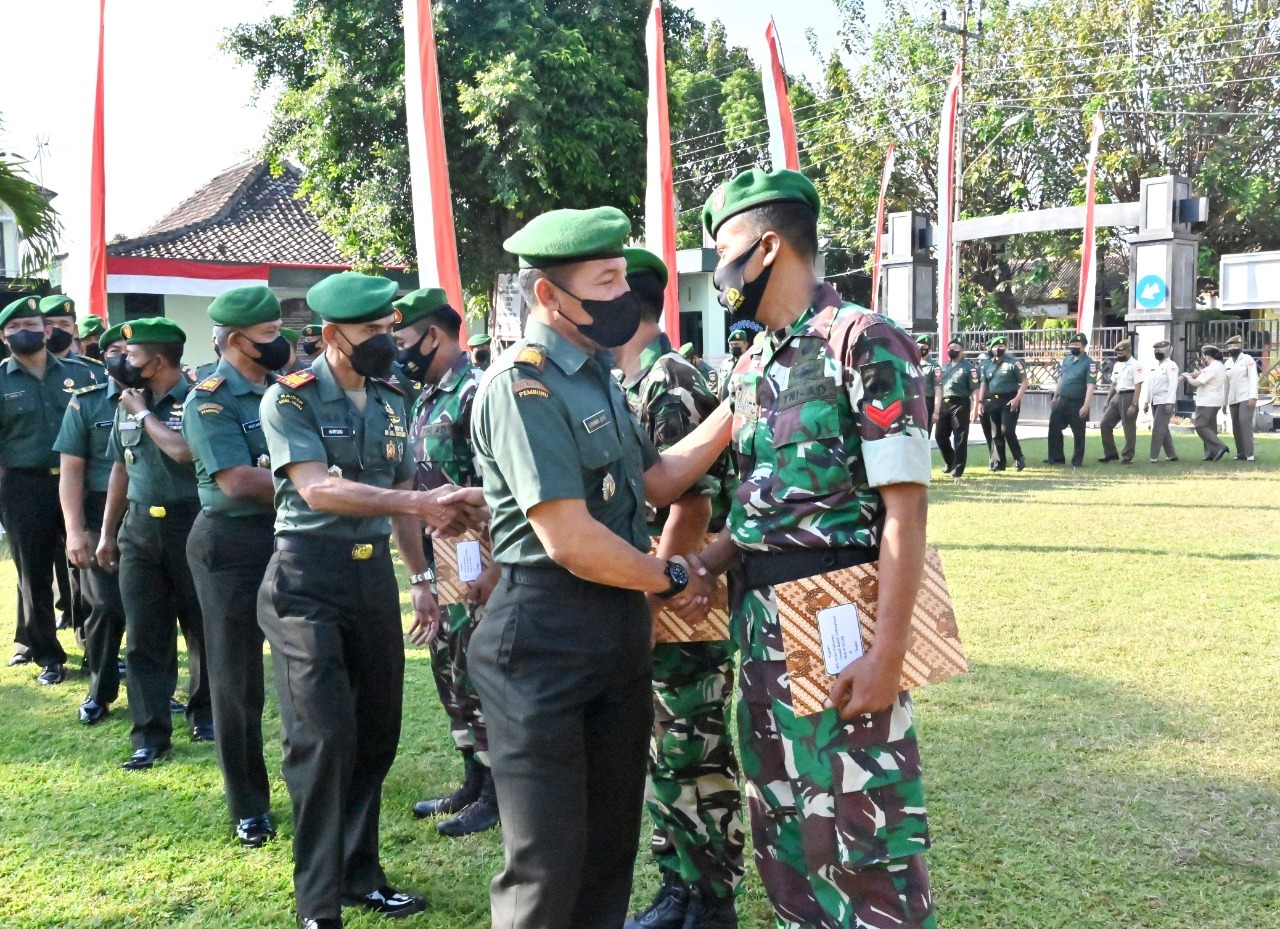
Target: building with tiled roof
x=246, y=226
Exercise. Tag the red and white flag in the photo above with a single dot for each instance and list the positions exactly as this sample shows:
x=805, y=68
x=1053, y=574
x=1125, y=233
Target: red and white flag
x=433, y=231
x=1088, y=251
x=98, y=183
x=660, y=190
x=946, y=205
x=783, y=148
x=876, y=254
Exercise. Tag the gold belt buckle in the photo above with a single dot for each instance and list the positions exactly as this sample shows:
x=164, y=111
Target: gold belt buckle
x=159, y=512
x=361, y=552
x=55, y=471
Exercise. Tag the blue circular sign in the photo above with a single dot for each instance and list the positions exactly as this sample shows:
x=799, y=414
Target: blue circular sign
x=1152, y=291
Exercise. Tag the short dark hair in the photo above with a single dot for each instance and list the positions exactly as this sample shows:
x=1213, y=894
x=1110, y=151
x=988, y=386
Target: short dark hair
x=527, y=280
x=170, y=351
x=796, y=223
x=445, y=318
x=649, y=293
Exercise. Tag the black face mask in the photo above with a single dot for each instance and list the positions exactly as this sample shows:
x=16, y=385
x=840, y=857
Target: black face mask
x=125, y=374
x=308, y=347
x=613, y=322
x=736, y=351
x=737, y=295
x=1075, y=349
x=272, y=355
x=1235, y=352
x=93, y=350
x=482, y=356
x=59, y=340
x=26, y=342
x=1159, y=356
x=415, y=363
x=999, y=351
x=954, y=353
x=374, y=356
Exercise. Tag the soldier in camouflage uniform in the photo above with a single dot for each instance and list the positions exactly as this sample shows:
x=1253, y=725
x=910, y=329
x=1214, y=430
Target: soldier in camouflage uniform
x=693, y=791
x=440, y=439
x=832, y=445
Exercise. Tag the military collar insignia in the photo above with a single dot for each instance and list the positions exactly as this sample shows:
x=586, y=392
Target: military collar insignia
x=296, y=379
x=533, y=356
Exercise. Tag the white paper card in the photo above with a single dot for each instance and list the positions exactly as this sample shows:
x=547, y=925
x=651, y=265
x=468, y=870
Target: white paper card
x=469, y=562
x=841, y=631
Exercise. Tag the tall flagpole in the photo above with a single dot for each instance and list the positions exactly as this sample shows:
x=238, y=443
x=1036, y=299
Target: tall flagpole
x=433, y=230
x=1088, y=251
x=946, y=205
x=660, y=190
x=98, y=183
x=783, y=146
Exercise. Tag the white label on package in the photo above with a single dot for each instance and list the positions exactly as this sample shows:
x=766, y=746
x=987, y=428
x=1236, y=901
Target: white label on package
x=469, y=563
x=841, y=633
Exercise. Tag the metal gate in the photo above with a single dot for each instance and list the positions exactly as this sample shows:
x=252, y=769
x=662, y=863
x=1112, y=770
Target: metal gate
x=1261, y=340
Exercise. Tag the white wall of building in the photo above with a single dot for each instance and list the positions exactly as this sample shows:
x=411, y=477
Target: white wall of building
x=192, y=314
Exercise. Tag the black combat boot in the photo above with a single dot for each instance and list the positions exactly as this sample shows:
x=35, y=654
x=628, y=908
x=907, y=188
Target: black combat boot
x=706, y=910
x=668, y=908
x=466, y=794
x=479, y=816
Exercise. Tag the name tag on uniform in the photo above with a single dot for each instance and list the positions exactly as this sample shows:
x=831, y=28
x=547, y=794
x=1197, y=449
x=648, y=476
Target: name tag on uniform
x=841, y=633
x=596, y=421
x=820, y=389
x=106, y=424
x=128, y=425
x=249, y=427
x=438, y=430
x=337, y=432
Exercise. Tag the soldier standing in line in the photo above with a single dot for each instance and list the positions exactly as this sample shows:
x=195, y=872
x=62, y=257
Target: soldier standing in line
x=154, y=471
x=330, y=603
x=958, y=381
x=694, y=357
x=1004, y=383
x=693, y=794
x=88, y=331
x=832, y=443
x=36, y=387
x=1242, y=395
x=1072, y=396
x=232, y=539
x=310, y=343
x=431, y=355
x=1160, y=399
x=739, y=339
x=84, y=447
x=1121, y=407
x=929, y=374
x=479, y=349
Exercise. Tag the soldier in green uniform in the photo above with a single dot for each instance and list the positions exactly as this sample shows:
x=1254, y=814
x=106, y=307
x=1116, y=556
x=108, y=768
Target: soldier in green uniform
x=1004, y=383
x=153, y=470
x=310, y=343
x=84, y=447
x=562, y=659
x=1072, y=396
x=739, y=339
x=294, y=363
x=929, y=373
x=480, y=351
x=832, y=444
x=330, y=605
x=232, y=539
x=440, y=443
x=958, y=381
x=693, y=794
x=691, y=354
x=36, y=387
x=88, y=331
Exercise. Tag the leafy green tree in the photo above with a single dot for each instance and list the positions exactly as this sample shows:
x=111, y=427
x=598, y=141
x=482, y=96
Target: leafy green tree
x=35, y=217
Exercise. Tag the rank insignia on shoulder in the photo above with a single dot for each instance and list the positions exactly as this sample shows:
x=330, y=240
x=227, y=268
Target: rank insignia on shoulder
x=530, y=388
x=533, y=356
x=389, y=384
x=210, y=384
x=296, y=379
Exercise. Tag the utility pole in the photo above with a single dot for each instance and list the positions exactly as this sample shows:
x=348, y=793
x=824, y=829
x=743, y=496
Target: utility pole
x=958, y=193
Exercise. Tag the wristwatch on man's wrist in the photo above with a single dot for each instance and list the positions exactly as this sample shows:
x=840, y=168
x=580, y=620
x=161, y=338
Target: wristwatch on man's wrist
x=678, y=575
x=416, y=579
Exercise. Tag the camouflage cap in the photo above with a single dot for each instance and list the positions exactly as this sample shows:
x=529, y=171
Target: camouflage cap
x=757, y=187
x=352, y=297
x=570, y=236
x=58, y=305
x=245, y=306
x=641, y=260
x=419, y=303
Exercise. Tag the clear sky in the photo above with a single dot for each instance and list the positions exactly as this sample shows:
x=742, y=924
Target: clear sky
x=179, y=110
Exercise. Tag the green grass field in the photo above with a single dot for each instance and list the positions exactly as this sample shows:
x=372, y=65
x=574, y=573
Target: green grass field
x=1112, y=760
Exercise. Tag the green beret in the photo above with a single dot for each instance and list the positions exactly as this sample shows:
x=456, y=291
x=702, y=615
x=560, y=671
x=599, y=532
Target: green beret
x=114, y=334
x=352, y=297
x=754, y=188
x=155, y=330
x=998, y=340
x=290, y=335
x=417, y=304
x=640, y=260
x=924, y=339
x=312, y=331
x=569, y=236
x=22, y=308
x=90, y=326
x=686, y=350
x=479, y=341
x=58, y=305
x=1079, y=337
x=245, y=306
x=740, y=335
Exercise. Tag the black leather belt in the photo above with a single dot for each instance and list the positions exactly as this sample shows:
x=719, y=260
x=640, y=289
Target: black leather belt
x=36, y=472
x=549, y=576
x=765, y=569
x=322, y=547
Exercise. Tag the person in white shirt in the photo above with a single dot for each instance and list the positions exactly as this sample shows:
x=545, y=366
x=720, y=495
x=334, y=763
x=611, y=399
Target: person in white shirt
x=1242, y=395
x=1121, y=406
x=1210, y=383
x=1160, y=398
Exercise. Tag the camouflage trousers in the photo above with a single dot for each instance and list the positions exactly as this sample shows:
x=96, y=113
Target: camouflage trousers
x=837, y=808
x=693, y=776
x=453, y=683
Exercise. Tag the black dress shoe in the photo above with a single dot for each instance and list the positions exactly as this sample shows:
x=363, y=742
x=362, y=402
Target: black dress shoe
x=1171, y=459
x=1105, y=458
x=319, y=922
x=52, y=674
x=255, y=832
x=144, y=758
x=1053, y=461
x=1019, y=463
x=19, y=659
x=64, y=622
x=91, y=711
x=1222, y=454
x=387, y=901
x=668, y=908
x=202, y=733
